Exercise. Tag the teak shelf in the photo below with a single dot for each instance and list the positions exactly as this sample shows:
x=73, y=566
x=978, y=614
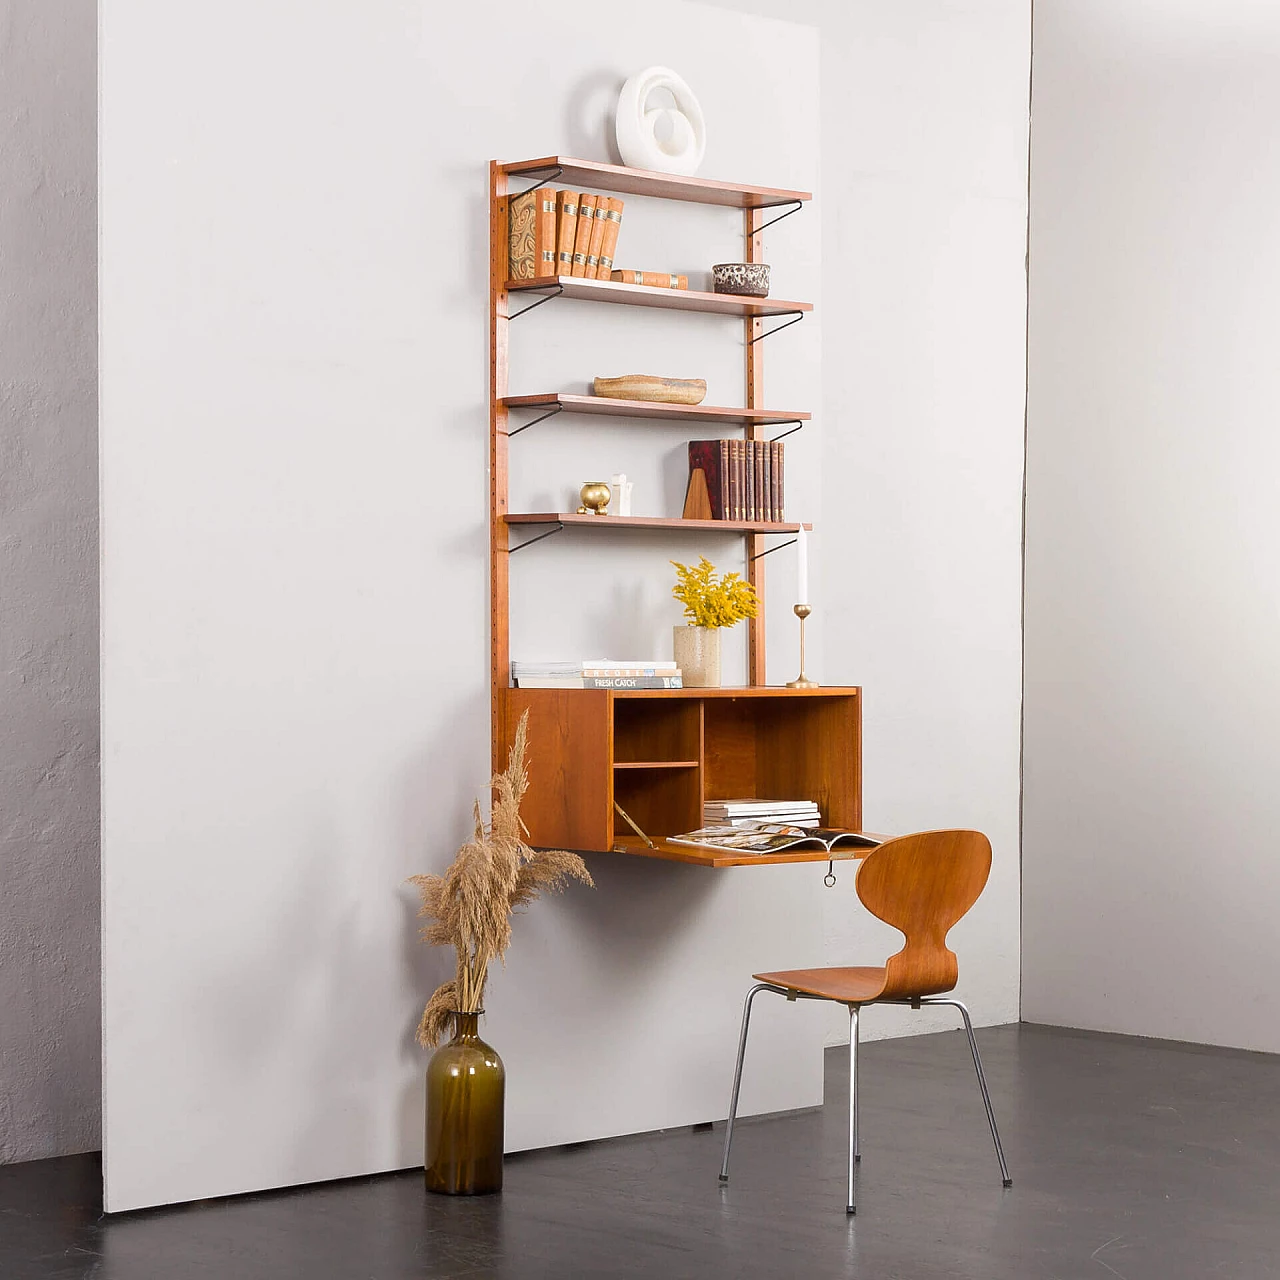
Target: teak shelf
x=643, y=295
x=645, y=182
x=658, y=754
x=711, y=415
x=652, y=522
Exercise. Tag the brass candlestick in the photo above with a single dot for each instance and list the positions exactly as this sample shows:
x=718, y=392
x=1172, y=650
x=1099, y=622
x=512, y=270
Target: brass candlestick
x=802, y=681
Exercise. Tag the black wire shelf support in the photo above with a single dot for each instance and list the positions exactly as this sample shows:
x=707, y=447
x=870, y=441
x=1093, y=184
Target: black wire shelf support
x=796, y=206
x=528, y=542
x=552, y=174
x=799, y=426
x=542, y=417
x=768, y=551
x=796, y=317
x=558, y=290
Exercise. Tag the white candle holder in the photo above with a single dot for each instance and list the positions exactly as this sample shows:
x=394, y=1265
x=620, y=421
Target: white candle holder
x=802, y=681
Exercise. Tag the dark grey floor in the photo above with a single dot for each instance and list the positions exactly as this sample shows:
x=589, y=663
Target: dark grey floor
x=1131, y=1158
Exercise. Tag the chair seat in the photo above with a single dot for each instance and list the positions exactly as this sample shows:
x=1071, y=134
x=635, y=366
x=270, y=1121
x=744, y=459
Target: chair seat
x=848, y=986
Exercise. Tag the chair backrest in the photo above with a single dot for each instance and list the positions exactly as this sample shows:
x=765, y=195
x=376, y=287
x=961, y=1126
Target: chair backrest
x=922, y=884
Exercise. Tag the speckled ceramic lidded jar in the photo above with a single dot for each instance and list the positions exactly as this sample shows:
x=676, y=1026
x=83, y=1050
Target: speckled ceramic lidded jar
x=747, y=279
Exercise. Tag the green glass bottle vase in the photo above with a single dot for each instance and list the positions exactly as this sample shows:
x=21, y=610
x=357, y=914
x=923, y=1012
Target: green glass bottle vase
x=466, y=1087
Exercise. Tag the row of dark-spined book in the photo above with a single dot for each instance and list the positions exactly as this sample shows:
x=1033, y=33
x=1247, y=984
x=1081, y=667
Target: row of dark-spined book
x=744, y=478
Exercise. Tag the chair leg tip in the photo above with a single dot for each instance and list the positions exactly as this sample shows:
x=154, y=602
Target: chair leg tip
x=858, y=1158
x=1008, y=1182
x=851, y=1210
x=724, y=1177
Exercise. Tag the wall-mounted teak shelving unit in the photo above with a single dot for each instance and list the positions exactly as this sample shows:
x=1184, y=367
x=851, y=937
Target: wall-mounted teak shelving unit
x=657, y=754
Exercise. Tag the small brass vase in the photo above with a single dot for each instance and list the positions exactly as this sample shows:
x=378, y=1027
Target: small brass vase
x=466, y=1087
x=595, y=495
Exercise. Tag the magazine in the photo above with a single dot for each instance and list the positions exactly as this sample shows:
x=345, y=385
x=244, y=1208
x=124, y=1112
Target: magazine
x=776, y=837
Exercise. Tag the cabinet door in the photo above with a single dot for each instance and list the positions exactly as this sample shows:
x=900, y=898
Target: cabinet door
x=569, y=801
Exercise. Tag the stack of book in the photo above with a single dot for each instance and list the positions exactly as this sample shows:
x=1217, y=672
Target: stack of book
x=562, y=233
x=741, y=480
x=739, y=813
x=597, y=673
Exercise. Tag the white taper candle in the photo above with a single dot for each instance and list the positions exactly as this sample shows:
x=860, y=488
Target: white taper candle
x=802, y=567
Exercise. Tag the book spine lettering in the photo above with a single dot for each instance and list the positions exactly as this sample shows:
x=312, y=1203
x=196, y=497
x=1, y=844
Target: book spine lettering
x=749, y=477
x=545, y=248
x=582, y=241
x=609, y=245
x=766, y=488
x=522, y=235
x=633, y=682
x=596, y=243
x=726, y=511
x=566, y=230
x=780, y=471
x=739, y=475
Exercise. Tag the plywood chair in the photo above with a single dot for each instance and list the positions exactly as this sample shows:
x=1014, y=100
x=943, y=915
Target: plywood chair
x=921, y=884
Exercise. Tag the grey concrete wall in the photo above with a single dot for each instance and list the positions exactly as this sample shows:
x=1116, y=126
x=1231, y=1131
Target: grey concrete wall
x=49, y=1003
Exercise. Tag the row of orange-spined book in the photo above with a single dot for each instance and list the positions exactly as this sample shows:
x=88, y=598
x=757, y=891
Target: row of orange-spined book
x=567, y=233
x=562, y=233
x=743, y=477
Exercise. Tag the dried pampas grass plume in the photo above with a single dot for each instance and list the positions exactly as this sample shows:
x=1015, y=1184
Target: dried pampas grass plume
x=470, y=906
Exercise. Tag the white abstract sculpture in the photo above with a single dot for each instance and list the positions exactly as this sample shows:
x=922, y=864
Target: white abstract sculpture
x=668, y=139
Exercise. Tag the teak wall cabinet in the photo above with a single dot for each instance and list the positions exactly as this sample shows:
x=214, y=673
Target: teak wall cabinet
x=656, y=754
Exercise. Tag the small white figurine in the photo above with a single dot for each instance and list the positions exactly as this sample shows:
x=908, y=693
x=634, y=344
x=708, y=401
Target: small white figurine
x=621, y=488
x=668, y=139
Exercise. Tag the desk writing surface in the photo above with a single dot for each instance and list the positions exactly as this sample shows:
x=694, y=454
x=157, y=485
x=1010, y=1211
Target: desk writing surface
x=669, y=852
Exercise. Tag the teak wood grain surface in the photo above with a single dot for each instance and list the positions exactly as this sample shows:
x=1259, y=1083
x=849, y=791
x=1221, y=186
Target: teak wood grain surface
x=648, y=522
x=648, y=182
x=662, y=753
x=581, y=289
x=922, y=885
x=708, y=414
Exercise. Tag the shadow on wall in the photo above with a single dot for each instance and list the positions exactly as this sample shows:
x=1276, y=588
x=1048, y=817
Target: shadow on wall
x=589, y=118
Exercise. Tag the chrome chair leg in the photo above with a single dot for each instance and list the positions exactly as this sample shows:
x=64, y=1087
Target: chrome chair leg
x=850, y=1204
x=982, y=1083
x=855, y=1042
x=737, y=1072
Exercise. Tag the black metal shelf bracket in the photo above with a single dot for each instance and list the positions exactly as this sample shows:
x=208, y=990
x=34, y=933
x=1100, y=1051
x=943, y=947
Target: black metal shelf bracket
x=550, y=413
x=552, y=174
x=520, y=546
x=559, y=289
x=799, y=426
x=796, y=317
x=768, y=551
x=796, y=206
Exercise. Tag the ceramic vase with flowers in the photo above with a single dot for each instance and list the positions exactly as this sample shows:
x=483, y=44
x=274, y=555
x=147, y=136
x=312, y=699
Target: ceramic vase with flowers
x=469, y=908
x=711, y=604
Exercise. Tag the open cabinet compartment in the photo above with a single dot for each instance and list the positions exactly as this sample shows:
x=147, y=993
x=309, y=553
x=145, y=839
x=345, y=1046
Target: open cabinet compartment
x=785, y=748
x=660, y=753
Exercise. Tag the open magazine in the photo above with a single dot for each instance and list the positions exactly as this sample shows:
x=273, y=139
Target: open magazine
x=775, y=837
